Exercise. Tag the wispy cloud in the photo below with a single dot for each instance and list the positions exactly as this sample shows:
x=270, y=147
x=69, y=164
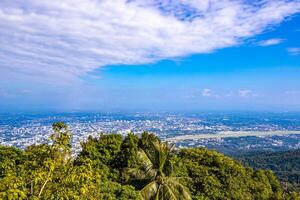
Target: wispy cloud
x=292, y=92
x=293, y=51
x=242, y=93
x=206, y=92
x=270, y=42
x=73, y=37
x=246, y=93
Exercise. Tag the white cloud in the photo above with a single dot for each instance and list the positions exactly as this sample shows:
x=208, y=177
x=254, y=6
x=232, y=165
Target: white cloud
x=228, y=94
x=293, y=51
x=270, y=42
x=73, y=37
x=292, y=92
x=209, y=93
x=206, y=92
x=246, y=93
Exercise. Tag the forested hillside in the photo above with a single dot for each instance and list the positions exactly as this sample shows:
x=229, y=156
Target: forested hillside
x=285, y=165
x=134, y=167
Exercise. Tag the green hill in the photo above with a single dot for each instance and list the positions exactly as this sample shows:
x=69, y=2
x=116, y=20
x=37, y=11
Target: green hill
x=131, y=167
x=285, y=165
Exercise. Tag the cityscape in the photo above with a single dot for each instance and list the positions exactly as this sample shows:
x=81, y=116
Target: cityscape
x=225, y=132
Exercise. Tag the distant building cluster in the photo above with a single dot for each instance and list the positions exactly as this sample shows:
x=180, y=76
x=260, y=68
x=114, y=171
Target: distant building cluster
x=35, y=130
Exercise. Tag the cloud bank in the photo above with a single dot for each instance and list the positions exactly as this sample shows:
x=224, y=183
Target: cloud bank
x=73, y=37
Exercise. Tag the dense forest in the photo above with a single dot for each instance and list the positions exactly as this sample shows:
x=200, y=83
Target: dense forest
x=285, y=165
x=112, y=166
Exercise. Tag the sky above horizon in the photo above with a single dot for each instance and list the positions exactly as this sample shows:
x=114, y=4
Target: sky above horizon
x=185, y=55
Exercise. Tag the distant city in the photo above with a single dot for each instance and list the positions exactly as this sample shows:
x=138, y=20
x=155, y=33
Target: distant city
x=226, y=132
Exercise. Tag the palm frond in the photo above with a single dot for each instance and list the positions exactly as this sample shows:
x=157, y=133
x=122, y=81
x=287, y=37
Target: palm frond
x=180, y=191
x=156, y=166
x=149, y=191
x=162, y=152
x=144, y=159
x=168, y=168
x=167, y=193
x=146, y=165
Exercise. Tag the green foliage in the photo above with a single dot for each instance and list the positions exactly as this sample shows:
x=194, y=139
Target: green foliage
x=286, y=165
x=9, y=158
x=115, y=167
x=146, y=142
x=103, y=150
x=129, y=149
x=218, y=177
x=61, y=137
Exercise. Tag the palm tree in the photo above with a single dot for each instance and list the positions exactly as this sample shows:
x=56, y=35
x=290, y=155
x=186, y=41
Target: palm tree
x=156, y=169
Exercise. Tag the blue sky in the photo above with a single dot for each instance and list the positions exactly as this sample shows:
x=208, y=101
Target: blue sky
x=92, y=55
